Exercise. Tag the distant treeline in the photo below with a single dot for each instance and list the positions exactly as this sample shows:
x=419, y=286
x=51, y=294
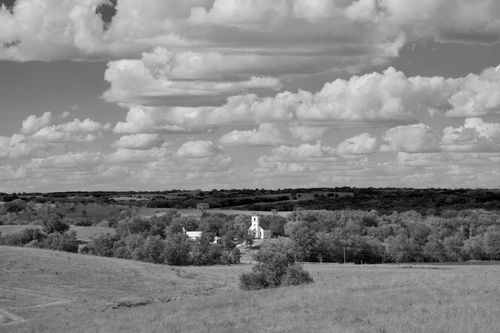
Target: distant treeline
x=431, y=201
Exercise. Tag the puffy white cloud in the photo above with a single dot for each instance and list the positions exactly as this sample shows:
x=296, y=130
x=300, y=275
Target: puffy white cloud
x=360, y=144
x=158, y=76
x=306, y=133
x=477, y=95
x=34, y=123
x=371, y=98
x=123, y=155
x=78, y=160
x=74, y=131
x=138, y=141
x=387, y=96
x=198, y=149
x=411, y=139
x=266, y=135
x=164, y=120
x=305, y=152
x=465, y=21
x=17, y=146
x=476, y=135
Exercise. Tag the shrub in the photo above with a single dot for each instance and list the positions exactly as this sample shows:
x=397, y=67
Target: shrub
x=52, y=222
x=23, y=237
x=295, y=275
x=61, y=242
x=276, y=266
x=252, y=281
x=102, y=245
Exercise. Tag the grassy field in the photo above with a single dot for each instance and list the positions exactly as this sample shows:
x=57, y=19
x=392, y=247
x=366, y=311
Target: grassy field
x=144, y=211
x=83, y=233
x=45, y=291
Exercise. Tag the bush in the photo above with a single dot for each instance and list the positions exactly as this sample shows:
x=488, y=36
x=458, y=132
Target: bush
x=252, y=281
x=295, y=275
x=52, y=222
x=23, y=237
x=276, y=266
x=60, y=242
x=102, y=245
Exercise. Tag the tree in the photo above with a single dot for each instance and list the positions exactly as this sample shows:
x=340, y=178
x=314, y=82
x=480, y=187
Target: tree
x=492, y=242
x=276, y=266
x=52, y=222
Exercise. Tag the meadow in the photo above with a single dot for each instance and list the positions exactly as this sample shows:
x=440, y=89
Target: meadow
x=48, y=291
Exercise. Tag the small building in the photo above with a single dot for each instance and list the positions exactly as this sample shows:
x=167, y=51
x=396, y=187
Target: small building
x=257, y=230
x=193, y=235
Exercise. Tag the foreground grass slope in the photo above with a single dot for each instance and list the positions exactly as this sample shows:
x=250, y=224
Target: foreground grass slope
x=60, y=292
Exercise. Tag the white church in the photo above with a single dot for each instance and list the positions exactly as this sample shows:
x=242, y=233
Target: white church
x=257, y=230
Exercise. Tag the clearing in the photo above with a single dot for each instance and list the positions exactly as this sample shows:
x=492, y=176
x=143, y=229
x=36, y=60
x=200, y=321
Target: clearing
x=48, y=291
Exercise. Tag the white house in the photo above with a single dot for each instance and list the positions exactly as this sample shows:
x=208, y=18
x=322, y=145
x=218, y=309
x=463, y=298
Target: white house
x=194, y=235
x=257, y=230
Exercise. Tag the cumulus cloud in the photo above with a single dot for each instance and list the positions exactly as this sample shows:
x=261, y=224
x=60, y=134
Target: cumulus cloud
x=306, y=133
x=123, y=155
x=388, y=97
x=17, y=146
x=74, y=131
x=175, y=80
x=360, y=144
x=266, y=135
x=33, y=123
x=411, y=139
x=477, y=95
x=138, y=141
x=475, y=135
x=164, y=120
x=198, y=149
x=80, y=160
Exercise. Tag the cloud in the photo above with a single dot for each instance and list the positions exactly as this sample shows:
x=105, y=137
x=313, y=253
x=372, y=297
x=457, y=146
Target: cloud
x=138, y=141
x=306, y=133
x=411, y=139
x=388, y=97
x=466, y=21
x=16, y=146
x=475, y=136
x=33, y=123
x=198, y=149
x=175, y=80
x=78, y=160
x=265, y=135
x=360, y=144
x=74, y=131
x=164, y=120
x=477, y=95
x=123, y=155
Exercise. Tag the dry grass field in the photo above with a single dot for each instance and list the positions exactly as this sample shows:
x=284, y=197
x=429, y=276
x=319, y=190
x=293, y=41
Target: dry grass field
x=46, y=291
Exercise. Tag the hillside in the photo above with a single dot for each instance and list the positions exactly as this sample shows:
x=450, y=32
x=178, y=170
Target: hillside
x=49, y=291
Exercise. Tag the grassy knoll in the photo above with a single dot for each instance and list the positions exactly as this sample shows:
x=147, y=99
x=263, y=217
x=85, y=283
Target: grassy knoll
x=61, y=292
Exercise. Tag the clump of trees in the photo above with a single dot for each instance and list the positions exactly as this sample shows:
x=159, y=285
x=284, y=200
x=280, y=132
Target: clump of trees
x=367, y=237
x=162, y=240
x=276, y=266
x=54, y=235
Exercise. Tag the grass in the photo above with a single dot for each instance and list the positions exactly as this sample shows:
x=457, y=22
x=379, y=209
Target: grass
x=146, y=211
x=83, y=233
x=60, y=292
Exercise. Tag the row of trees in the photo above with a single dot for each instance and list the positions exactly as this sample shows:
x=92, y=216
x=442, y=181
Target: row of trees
x=162, y=240
x=367, y=237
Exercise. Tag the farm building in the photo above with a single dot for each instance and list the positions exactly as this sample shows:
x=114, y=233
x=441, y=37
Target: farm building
x=194, y=235
x=257, y=230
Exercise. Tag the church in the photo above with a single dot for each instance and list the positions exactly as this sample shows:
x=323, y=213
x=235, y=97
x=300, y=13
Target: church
x=257, y=230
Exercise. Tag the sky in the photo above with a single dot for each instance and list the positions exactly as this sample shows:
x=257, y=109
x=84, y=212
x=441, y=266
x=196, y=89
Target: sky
x=204, y=94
